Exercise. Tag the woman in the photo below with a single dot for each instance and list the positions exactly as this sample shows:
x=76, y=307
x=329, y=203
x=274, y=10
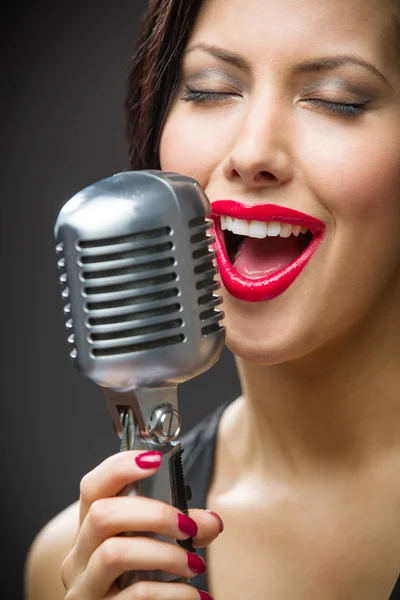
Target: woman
x=291, y=110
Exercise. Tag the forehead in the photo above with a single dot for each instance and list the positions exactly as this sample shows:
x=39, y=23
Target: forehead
x=266, y=30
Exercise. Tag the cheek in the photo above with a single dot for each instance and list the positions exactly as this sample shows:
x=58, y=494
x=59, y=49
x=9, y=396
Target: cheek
x=355, y=178
x=358, y=183
x=192, y=146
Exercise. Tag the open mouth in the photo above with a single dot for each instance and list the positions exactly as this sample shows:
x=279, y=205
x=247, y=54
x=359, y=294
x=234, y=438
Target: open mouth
x=262, y=249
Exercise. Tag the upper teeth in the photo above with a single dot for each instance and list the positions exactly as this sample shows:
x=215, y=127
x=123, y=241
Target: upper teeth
x=260, y=229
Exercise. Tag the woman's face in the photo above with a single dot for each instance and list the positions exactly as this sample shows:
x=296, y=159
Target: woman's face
x=295, y=106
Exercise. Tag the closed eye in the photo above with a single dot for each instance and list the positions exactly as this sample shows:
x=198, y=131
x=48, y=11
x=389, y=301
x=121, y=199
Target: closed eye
x=202, y=96
x=336, y=108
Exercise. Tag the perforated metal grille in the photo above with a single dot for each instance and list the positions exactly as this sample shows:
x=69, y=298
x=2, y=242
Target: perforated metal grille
x=205, y=271
x=65, y=295
x=130, y=292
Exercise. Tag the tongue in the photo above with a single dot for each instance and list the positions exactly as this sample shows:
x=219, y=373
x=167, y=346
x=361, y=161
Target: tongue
x=258, y=258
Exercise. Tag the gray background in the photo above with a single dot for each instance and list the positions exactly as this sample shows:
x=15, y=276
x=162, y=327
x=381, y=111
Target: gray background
x=63, y=67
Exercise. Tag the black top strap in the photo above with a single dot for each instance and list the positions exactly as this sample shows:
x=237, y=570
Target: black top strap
x=395, y=595
x=198, y=462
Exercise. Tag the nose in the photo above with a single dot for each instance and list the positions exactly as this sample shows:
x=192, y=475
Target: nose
x=261, y=153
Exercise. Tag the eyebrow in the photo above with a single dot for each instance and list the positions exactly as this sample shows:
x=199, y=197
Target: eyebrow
x=332, y=62
x=309, y=66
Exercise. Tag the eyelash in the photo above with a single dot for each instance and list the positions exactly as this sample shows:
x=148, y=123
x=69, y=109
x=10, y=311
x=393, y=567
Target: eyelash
x=337, y=108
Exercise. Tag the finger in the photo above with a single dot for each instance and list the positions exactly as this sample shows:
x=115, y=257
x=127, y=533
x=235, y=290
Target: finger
x=113, y=474
x=109, y=517
x=153, y=590
x=209, y=526
x=120, y=554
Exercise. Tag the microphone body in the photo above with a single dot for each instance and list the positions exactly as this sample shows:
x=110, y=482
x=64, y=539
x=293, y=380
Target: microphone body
x=137, y=274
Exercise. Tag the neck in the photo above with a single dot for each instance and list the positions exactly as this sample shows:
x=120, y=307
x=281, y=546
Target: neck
x=339, y=409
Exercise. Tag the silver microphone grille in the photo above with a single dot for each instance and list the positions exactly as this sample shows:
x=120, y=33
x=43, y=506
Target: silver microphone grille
x=138, y=280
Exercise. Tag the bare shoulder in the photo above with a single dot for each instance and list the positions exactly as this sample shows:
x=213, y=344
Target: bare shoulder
x=46, y=554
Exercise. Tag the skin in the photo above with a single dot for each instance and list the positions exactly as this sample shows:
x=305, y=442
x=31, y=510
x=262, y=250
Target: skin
x=317, y=426
x=305, y=158
x=79, y=554
x=307, y=461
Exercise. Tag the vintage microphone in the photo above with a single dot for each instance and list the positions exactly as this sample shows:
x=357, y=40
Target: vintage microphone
x=137, y=275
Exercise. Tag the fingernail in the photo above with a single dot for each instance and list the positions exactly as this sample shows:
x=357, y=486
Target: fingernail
x=220, y=521
x=187, y=525
x=196, y=563
x=205, y=596
x=149, y=460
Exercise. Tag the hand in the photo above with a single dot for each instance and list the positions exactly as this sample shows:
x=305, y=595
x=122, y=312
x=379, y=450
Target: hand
x=100, y=555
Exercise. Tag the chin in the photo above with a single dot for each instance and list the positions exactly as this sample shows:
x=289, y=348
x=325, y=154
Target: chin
x=264, y=346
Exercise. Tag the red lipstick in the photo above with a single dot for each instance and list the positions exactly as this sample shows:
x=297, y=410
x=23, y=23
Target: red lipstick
x=264, y=288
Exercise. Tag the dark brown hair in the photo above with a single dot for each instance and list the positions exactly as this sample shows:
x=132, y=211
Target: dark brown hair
x=153, y=76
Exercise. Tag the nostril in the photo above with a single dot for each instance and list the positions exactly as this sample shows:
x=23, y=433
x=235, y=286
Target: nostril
x=263, y=176
x=258, y=177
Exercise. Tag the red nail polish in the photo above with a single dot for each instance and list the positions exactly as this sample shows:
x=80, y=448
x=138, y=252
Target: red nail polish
x=149, y=460
x=205, y=596
x=220, y=521
x=187, y=525
x=196, y=563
